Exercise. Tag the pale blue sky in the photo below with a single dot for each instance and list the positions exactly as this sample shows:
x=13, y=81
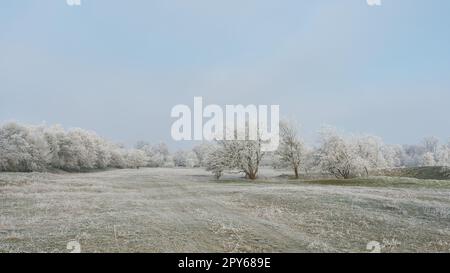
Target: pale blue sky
x=118, y=67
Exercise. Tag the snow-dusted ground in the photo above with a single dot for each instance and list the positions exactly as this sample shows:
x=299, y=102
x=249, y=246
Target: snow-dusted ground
x=186, y=210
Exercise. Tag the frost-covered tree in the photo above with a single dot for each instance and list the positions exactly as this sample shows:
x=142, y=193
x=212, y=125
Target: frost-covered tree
x=179, y=159
x=136, y=159
x=435, y=154
x=393, y=155
x=83, y=148
x=412, y=155
x=118, y=156
x=202, y=152
x=78, y=149
x=70, y=152
x=103, y=153
x=430, y=144
x=337, y=155
x=216, y=162
x=158, y=155
x=291, y=149
x=310, y=160
x=22, y=149
x=443, y=155
x=242, y=155
x=369, y=149
x=428, y=153
x=428, y=160
x=355, y=155
x=271, y=159
x=186, y=159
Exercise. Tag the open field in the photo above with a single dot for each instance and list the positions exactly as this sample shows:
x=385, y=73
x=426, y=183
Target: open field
x=186, y=210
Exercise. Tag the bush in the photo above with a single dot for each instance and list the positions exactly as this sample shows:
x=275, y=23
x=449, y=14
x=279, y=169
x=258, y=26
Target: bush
x=37, y=148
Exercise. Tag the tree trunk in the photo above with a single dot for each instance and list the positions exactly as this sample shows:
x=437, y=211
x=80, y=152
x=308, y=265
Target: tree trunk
x=252, y=175
x=367, y=171
x=296, y=172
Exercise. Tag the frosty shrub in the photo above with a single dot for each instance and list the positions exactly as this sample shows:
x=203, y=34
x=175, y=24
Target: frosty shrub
x=39, y=148
x=135, y=159
x=23, y=149
x=216, y=162
x=347, y=157
x=202, y=152
x=186, y=159
x=157, y=155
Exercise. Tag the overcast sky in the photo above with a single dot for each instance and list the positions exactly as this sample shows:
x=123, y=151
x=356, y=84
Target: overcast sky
x=118, y=67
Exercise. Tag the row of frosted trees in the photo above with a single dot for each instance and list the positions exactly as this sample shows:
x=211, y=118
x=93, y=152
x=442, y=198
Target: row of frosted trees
x=39, y=148
x=25, y=148
x=338, y=154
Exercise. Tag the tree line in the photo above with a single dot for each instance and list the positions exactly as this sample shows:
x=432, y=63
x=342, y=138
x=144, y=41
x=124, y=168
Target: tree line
x=338, y=154
x=27, y=148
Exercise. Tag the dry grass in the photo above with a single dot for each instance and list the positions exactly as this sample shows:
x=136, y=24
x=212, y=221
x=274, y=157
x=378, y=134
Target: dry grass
x=186, y=210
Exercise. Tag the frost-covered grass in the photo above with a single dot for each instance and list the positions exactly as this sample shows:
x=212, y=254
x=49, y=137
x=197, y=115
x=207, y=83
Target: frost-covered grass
x=186, y=210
